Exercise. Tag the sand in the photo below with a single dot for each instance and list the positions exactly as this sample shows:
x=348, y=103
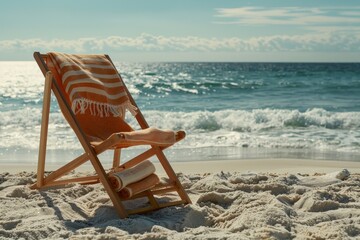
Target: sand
x=255, y=199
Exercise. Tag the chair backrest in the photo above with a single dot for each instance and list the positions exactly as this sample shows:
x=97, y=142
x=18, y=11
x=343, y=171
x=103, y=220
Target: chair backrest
x=95, y=91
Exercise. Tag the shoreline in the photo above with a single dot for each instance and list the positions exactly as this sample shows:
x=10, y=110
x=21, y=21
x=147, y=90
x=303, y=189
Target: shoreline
x=283, y=165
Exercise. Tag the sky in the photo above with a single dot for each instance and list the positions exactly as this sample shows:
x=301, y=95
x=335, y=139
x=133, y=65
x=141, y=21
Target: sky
x=186, y=30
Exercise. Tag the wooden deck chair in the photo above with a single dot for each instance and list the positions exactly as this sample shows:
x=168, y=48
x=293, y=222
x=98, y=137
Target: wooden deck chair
x=113, y=138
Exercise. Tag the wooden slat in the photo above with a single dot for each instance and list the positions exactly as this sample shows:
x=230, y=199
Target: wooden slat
x=116, y=158
x=80, y=180
x=164, y=190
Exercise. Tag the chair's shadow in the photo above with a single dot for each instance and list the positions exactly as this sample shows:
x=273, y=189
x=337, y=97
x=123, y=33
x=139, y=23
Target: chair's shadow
x=106, y=216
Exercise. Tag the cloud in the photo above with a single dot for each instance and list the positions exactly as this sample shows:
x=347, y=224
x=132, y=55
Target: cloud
x=152, y=43
x=291, y=16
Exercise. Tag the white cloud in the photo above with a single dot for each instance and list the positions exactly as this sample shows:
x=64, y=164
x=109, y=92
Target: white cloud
x=290, y=16
x=146, y=43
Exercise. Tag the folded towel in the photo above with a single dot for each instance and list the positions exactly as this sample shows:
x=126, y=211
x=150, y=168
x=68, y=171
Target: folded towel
x=119, y=180
x=140, y=186
x=91, y=83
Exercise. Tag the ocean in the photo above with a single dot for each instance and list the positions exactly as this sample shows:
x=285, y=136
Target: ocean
x=229, y=110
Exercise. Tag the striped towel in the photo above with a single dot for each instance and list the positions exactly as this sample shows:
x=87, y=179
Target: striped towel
x=92, y=84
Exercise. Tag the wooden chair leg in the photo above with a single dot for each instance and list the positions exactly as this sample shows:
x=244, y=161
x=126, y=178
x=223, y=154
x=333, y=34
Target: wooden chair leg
x=44, y=129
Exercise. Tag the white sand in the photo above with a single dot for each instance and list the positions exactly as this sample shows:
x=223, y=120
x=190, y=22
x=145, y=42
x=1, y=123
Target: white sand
x=255, y=199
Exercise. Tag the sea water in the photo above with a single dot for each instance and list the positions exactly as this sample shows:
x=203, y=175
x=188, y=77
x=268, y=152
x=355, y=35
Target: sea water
x=228, y=110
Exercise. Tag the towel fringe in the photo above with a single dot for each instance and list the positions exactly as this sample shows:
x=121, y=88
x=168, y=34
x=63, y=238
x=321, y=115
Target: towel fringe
x=80, y=105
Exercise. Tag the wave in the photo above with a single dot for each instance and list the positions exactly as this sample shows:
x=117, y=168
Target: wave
x=259, y=128
x=210, y=135
x=255, y=120
x=265, y=128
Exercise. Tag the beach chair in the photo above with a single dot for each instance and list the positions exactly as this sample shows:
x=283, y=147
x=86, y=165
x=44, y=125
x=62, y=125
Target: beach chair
x=95, y=110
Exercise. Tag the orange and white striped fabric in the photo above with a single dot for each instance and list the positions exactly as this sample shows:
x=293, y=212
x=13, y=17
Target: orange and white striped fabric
x=92, y=84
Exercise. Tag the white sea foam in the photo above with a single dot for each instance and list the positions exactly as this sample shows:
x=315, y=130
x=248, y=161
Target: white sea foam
x=265, y=128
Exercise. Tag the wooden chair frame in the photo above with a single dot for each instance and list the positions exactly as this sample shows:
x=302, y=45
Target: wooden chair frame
x=91, y=154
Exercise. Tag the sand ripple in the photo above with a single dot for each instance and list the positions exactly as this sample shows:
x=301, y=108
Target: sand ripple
x=225, y=206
